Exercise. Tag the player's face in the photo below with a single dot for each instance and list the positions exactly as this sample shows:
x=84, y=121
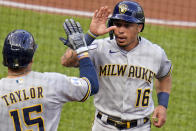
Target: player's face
x=126, y=34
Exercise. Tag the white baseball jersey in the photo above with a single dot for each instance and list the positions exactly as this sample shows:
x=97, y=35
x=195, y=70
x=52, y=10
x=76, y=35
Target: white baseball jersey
x=126, y=78
x=34, y=102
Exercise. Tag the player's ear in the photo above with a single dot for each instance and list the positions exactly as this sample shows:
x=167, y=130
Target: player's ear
x=140, y=26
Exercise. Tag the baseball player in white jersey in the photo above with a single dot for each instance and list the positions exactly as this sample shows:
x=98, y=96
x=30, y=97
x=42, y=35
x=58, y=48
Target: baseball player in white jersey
x=32, y=100
x=126, y=66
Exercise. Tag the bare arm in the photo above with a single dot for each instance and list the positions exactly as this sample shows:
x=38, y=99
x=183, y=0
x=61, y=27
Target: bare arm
x=160, y=113
x=164, y=84
x=70, y=59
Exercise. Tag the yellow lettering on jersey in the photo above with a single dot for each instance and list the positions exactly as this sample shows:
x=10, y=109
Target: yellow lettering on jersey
x=40, y=92
x=138, y=72
x=112, y=70
x=112, y=73
x=108, y=74
x=32, y=93
x=141, y=73
x=151, y=76
x=12, y=98
x=5, y=99
x=18, y=94
x=22, y=95
x=121, y=69
x=131, y=72
x=144, y=76
x=134, y=72
x=102, y=71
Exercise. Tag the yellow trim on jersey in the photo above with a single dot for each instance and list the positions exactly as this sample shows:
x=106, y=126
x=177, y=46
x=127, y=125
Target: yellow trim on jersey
x=169, y=72
x=88, y=91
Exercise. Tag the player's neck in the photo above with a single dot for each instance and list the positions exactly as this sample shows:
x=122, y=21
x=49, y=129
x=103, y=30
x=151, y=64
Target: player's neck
x=18, y=73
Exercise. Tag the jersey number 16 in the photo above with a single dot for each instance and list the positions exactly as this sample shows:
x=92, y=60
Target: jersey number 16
x=142, y=98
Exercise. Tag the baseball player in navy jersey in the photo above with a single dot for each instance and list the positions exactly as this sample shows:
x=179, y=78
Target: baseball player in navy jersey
x=32, y=100
x=126, y=65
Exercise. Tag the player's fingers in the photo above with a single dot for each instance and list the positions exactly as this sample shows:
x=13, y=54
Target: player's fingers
x=106, y=12
x=159, y=123
x=110, y=29
x=66, y=29
x=95, y=13
x=69, y=26
x=79, y=27
x=74, y=25
x=100, y=12
x=154, y=117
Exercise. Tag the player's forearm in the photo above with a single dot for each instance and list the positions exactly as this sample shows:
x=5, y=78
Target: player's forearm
x=88, y=70
x=163, y=88
x=164, y=84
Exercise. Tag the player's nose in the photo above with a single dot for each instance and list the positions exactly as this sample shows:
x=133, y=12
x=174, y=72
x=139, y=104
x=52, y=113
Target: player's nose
x=121, y=29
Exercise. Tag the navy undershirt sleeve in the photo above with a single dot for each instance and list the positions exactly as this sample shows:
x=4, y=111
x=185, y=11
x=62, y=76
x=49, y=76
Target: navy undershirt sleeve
x=89, y=39
x=87, y=70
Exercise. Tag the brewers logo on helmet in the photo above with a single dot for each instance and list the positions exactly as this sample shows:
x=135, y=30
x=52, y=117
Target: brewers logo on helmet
x=123, y=8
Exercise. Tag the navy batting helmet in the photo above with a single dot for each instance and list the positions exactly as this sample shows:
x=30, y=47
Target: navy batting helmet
x=129, y=11
x=18, y=50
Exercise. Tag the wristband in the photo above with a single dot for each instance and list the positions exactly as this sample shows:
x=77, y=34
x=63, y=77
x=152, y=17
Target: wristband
x=163, y=99
x=82, y=55
x=92, y=35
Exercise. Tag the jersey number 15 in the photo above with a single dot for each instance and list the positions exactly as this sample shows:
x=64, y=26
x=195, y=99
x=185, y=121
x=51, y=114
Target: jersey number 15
x=26, y=117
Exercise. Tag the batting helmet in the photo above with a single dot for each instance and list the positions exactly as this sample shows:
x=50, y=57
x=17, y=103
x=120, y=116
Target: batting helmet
x=18, y=49
x=129, y=11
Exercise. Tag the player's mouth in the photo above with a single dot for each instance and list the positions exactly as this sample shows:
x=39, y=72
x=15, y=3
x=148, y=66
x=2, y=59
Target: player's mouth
x=121, y=39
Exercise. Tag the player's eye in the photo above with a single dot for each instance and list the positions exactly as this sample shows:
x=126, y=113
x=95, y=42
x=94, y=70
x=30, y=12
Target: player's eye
x=127, y=25
x=117, y=24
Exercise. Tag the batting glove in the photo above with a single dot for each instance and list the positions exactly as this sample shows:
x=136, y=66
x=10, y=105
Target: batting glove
x=75, y=36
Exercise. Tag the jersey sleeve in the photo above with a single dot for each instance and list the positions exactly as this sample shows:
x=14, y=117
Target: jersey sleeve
x=79, y=89
x=165, y=66
x=64, y=89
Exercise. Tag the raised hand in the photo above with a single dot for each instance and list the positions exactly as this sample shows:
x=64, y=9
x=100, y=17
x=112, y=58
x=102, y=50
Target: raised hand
x=98, y=23
x=75, y=37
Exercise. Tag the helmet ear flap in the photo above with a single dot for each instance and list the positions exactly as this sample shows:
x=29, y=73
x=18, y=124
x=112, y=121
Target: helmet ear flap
x=110, y=23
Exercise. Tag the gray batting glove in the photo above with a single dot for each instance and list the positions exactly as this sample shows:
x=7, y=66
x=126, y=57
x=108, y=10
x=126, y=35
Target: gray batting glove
x=75, y=36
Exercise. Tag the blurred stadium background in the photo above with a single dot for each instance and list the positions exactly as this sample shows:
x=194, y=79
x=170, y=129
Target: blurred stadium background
x=169, y=23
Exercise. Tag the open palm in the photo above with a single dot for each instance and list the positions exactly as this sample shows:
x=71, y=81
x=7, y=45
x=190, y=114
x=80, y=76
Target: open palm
x=98, y=23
